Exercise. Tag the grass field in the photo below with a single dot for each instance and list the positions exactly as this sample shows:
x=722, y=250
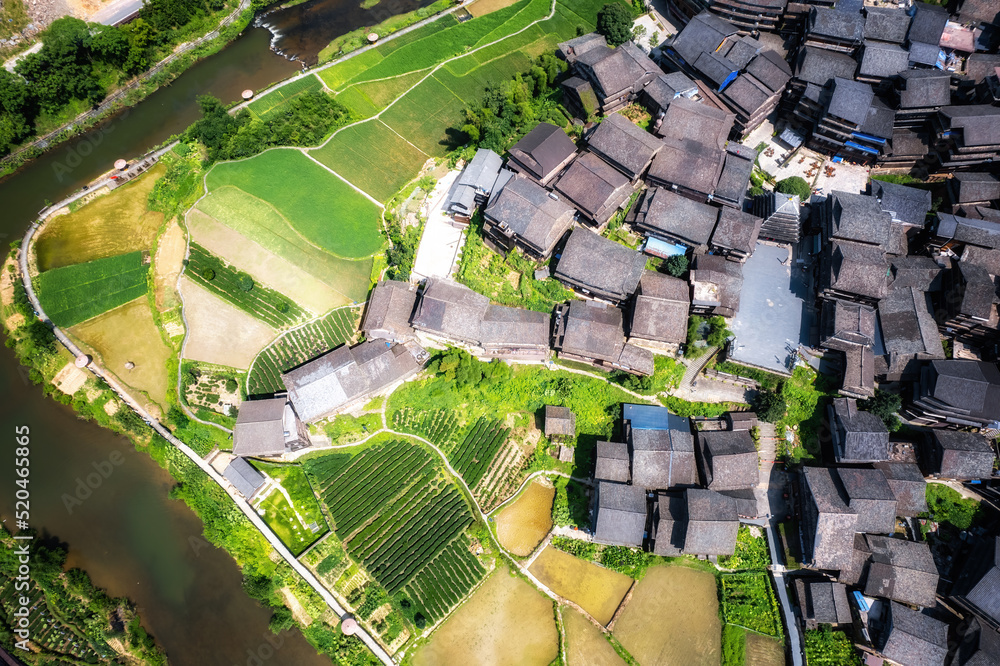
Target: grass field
x=129, y=334
x=317, y=204
x=112, y=224
x=240, y=289
x=259, y=222
x=380, y=173
x=76, y=293
x=271, y=103
x=284, y=522
x=293, y=479
x=298, y=346
x=368, y=98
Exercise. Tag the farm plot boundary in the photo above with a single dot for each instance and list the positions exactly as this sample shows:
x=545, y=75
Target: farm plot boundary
x=76, y=293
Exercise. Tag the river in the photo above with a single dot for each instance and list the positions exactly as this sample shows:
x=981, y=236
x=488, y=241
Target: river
x=131, y=538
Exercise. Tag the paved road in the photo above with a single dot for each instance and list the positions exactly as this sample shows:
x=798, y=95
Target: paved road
x=117, y=11
x=247, y=510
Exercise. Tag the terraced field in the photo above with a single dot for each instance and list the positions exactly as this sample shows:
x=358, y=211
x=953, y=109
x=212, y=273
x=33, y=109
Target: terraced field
x=439, y=426
x=298, y=346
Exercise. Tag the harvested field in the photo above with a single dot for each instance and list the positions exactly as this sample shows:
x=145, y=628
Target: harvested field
x=764, y=651
x=350, y=153
x=110, y=225
x=167, y=265
x=597, y=590
x=321, y=207
x=585, y=643
x=75, y=293
x=258, y=222
x=265, y=266
x=129, y=334
x=272, y=103
x=525, y=522
x=70, y=379
x=505, y=622
x=218, y=332
x=484, y=7
x=672, y=619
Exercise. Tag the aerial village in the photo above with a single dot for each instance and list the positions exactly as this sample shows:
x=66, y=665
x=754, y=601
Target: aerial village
x=883, y=285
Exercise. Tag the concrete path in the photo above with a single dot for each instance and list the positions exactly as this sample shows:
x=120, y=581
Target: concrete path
x=442, y=240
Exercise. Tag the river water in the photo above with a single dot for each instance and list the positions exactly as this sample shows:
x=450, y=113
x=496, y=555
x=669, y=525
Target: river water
x=131, y=538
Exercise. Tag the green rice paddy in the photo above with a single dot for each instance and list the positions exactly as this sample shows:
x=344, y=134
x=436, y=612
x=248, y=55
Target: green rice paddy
x=271, y=103
x=73, y=294
x=321, y=207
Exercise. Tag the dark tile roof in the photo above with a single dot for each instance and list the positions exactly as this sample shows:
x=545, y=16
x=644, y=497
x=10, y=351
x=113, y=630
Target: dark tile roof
x=704, y=32
x=844, y=324
x=574, y=48
x=689, y=164
x=909, y=205
x=747, y=94
x=450, y=309
x=259, y=429
x=980, y=256
x=669, y=215
x=921, y=273
x=664, y=88
x=901, y=570
x=505, y=327
x=623, y=68
x=870, y=495
x=715, y=68
x=543, y=149
x=245, y=478
x=741, y=51
x=978, y=292
x=560, y=421
x=859, y=269
x=880, y=120
x=974, y=186
x=637, y=359
x=928, y=23
x=671, y=524
x=883, y=60
x=325, y=384
x=736, y=230
x=915, y=639
x=980, y=123
x=820, y=67
x=984, y=11
x=984, y=233
x=746, y=501
x=923, y=54
x=663, y=458
x=686, y=119
x=728, y=459
x=621, y=514
x=594, y=186
x=979, y=66
x=612, y=462
x=924, y=88
x=717, y=282
x=660, y=310
x=770, y=69
x=388, y=312
x=593, y=330
x=531, y=212
x=859, y=436
x=908, y=325
x=850, y=100
x=841, y=25
x=961, y=455
x=599, y=265
x=828, y=603
x=908, y=142
x=970, y=386
x=886, y=24
x=979, y=584
x=712, y=523
x=624, y=144
x=908, y=486
x=828, y=522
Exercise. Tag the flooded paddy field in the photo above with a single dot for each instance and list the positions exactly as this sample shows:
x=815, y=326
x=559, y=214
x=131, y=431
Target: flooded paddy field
x=672, y=619
x=585, y=644
x=597, y=590
x=523, y=524
x=764, y=651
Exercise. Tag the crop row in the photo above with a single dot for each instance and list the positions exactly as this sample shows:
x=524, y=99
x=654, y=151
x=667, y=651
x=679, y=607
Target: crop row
x=72, y=294
x=473, y=456
x=297, y=346
x=353, y=501
x=401, y=480
x=502, y=475
x=408, y=519
x=365, y=460
x=438, y=426
x=405, y=504
x=240, y=289
x=445, y=580
x=748, y=601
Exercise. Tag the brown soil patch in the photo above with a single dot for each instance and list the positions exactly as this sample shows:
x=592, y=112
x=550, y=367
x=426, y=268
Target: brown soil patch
x=14, y=321
x=7, y=285
x=298, y=611
x=595, y=589
x=483, y=7
x=220, y=333
x=168, y=264
x=585, y=643
x=524, y=523
x=111, y=407
x=764, y=651
x=70, y=379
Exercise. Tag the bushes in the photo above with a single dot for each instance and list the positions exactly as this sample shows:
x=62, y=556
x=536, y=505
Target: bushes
x=585, y=550
x=885, y=405
x=770, y=405
x=751, y=552
x=714, y=335
x=570, y=507
x=948, y=506
x=830, y=648
x=794, y=185
x=734, y=645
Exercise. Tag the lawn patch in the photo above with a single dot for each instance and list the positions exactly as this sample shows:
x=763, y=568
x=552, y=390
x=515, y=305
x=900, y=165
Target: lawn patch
x=293, y=479
x=284, y=522
x=373, y=157
x=317, y=204
x=72, y=294
x=272, y=102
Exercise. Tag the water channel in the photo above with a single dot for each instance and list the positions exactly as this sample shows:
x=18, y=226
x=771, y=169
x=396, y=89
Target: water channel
x=131, y=538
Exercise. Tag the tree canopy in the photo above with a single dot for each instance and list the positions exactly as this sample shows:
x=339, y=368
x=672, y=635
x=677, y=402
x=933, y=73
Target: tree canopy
x=794, y=185
x=770, y=406
x=885, y=405
x=614, y=21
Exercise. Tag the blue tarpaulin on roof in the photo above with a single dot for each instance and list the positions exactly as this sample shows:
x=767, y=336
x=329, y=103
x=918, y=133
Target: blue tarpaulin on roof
x=660, y=248
x=868, y=137
x=650, y=417
x=858, y=146
x=729, y=79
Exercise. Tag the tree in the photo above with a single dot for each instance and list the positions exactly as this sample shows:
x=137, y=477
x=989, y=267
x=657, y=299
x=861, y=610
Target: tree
x=281, y=620
x=794, y=185
x=677, y=265
x=208, y=274
x=245, y=283
x=885, y=405
x=614, y=21
x=18, y=109
x=770, y=406
x=718, y=332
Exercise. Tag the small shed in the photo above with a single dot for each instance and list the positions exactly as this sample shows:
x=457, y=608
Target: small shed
x=559, y=422
x=244, y=478
x=741, y=420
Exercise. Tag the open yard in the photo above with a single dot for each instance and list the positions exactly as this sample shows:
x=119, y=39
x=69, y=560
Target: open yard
x=72, y=294
x=284, y=522
x=293, y=479
x=585, y=643
x=382, y=172
x=525, y=522
x=505, y=622
x=258, y=222
x=111, y=224
x=271, y=103
x=128, y=334
x=672, y=619
x=319, y=206
x=218, y=332
x=597, y=590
